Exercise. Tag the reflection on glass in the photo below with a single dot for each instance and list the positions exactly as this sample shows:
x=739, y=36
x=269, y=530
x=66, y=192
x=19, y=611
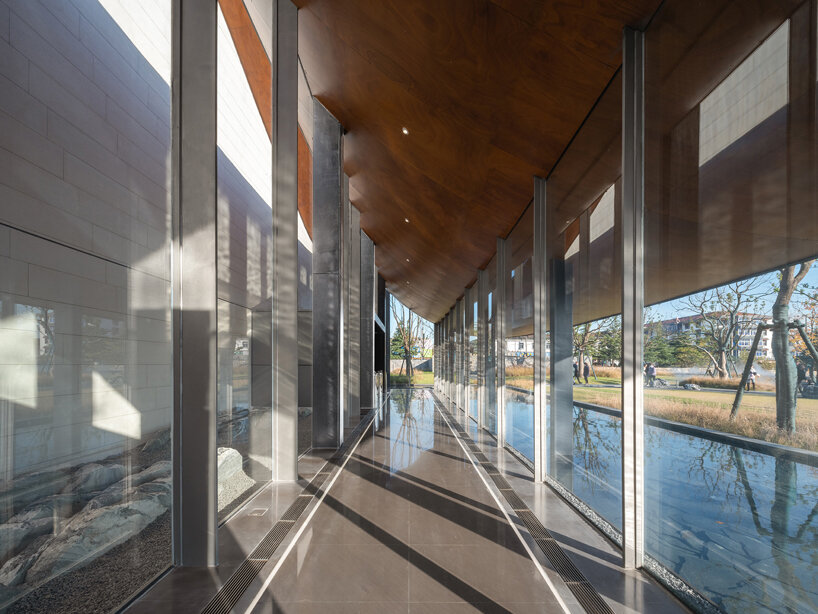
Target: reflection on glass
x=490, y=420
x=585, y=327
x=518, y=359
x=244, y=221
x=731, y=234
x=473, y=361
x=86, y=400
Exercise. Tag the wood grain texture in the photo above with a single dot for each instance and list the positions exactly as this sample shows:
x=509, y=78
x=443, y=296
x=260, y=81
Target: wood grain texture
x=491, y=93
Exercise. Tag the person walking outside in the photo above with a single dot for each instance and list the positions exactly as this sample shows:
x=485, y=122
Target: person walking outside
x=651, y=374
x=586, y=369
x=751, y=378
x=576, y=372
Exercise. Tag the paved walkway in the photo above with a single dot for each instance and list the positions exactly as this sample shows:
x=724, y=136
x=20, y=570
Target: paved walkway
x=409, y=526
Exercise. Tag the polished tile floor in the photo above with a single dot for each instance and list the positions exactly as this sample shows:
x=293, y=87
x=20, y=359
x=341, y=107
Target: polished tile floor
x=409, y=527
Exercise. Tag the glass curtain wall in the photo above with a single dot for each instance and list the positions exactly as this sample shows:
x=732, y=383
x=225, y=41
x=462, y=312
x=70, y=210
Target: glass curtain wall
x=490, y=417
x=731, y=234
x=244, y=435
x=585, y=280
x=518, y=350
x=86, y=402
x=474, y=380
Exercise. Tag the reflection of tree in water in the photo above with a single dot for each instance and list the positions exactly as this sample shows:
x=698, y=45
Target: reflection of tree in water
x=406, y=445
x=591, y=445
x=783, y=540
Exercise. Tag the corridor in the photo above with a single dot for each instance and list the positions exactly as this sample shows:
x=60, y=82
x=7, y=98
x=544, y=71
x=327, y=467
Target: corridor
x=412, y=525
x=409, y=526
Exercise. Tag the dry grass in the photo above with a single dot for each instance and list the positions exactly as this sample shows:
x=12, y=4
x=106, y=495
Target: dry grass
x=611, y=372
x=705, y=410
x=520, y=371
x=729, y=383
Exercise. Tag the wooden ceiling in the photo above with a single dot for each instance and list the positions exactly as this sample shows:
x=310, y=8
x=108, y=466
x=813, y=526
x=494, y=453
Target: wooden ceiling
x=491, y=93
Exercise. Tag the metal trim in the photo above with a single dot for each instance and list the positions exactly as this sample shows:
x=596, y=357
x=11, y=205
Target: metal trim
x=500, y=342
x=540, y=283
x=633, y=300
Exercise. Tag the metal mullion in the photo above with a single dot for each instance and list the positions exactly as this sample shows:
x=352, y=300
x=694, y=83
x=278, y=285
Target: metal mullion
x=632, y=298
x=540, y=329
x=500, y=352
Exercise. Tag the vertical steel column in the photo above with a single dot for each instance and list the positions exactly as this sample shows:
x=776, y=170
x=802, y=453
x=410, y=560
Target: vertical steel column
x=468, y=329
x=461, y=360
x=482, y=343
x=500, y=351
x=633, y=139
x=450, y=355
x=353, y=316
x=195, y=537
x=327, y=321
x=540, y=329
x=367, y=247
x=285, y=241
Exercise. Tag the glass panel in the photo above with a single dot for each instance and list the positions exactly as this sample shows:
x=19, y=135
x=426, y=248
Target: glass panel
x=519, y=346
x=86, y=402
x=731, y=232
x=473, y=358
x=585, y=327
x=490, y=420
x=245, y=282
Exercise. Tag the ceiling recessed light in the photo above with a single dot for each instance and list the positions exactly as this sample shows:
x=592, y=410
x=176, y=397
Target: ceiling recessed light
x=407, y=260
x=406, y=219
x=405, y=130
x=407, y=283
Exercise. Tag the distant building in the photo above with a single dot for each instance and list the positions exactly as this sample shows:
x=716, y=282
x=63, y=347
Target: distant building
x=747, y=330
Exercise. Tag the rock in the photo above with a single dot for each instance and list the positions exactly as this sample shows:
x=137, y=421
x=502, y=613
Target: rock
x=95, y=530
x=232, y=479
x=692, y=387
x=16, y=536
x=26, y=489
x=13, y=572
x=230, y=463
x=160, y=441
x=93, y=477
x=116, y=492
x=56, y=506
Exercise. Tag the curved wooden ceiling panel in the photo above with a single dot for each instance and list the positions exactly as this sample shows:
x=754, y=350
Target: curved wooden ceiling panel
x=491, y=93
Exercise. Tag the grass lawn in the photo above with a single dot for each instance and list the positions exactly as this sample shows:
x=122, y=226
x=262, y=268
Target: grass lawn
x=756, y=417
x=420, y=378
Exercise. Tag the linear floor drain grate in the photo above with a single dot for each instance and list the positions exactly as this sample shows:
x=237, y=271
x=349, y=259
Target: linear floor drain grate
x=589, y=598
x=584, y=591
x=514, y=500
x=481, y=458
x=499, y=480
x=272, y=540
x=297, y=508
x=533, y=524
x=229, y=594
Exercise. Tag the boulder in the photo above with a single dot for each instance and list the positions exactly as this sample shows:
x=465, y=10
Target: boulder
x=13, y=572
x=16, y=536
x=233, y=482
x=116, y=492
x=55, y=506
x=26, y=489
x=230, y=463
x=93, y=477
x=95, y=530
x=160, y=441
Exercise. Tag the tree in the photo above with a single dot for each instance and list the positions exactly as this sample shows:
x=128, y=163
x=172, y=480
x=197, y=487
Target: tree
x=723, y=316
x=413, y=334
x=684, y=351
x=657, y=347
x=785, y=368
